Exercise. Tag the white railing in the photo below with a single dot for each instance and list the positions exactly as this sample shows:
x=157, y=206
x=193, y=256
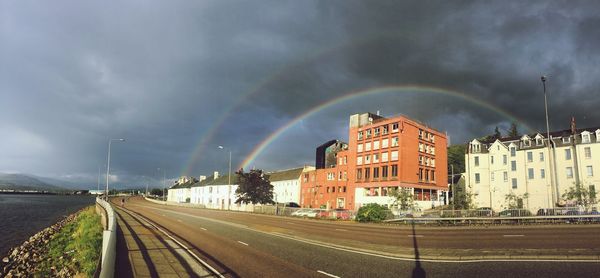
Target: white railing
x=109, y=241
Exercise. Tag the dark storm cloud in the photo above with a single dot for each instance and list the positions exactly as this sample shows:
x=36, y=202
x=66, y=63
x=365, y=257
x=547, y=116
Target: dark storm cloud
x=162, y=74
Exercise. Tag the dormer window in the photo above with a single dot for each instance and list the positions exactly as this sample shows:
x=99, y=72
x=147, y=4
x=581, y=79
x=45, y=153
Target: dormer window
x=527, y=143
x=585, y=137
x=598, y=135
x=566, y=140
x=476, y=148
x=539, y=141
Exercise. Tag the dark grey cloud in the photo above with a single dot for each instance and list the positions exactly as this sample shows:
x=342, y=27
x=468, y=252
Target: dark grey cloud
x=74, y=74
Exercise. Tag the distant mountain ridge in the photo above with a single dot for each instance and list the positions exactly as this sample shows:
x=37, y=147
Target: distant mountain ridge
x=26, y=182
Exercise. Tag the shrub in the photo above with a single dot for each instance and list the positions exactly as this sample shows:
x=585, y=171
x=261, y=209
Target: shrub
x=372, y=213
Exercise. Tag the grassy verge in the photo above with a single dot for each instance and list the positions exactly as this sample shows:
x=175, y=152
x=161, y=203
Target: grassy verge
x=76, y=247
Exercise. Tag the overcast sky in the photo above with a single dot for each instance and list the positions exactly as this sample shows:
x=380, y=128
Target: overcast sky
x=179, y=78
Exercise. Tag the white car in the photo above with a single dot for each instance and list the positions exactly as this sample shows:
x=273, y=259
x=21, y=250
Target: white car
x=301, y=212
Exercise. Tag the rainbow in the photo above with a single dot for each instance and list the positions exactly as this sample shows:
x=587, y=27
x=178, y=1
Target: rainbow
x=258, y=149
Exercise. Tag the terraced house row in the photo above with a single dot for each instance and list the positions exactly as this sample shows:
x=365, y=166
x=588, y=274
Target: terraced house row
x=381, y=154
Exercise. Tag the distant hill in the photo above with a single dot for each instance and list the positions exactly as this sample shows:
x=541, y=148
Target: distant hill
x=25, y=182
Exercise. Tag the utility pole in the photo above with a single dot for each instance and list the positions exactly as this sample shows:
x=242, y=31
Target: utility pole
x=550, y=153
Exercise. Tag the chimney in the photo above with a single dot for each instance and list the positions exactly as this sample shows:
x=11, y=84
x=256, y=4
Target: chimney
x=201, y=178
x=573, y=128
x=216, y=175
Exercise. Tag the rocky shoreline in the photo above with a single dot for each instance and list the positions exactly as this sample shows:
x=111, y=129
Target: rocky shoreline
x=26, y=259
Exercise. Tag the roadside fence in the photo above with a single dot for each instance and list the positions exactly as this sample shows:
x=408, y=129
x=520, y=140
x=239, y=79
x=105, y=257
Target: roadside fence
x=109, y=241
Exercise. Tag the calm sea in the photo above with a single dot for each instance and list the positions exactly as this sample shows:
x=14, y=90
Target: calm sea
x=21, y=216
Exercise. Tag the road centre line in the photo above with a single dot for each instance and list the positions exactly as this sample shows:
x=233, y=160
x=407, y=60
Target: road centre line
x=243, y=243
x=513, y=235
x=341, y=230
x=415, y=235
x=374, y=253
x=204, y=229
x=328, y=274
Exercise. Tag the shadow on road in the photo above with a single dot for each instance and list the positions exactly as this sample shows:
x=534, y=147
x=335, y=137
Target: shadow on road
x=418, y=271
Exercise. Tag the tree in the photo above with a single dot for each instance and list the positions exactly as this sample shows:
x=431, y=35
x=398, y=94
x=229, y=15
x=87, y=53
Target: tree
x=581, y=195
x=512, y=131
x=456, y=158
x=372, y=213
x=515, y=201
x=253, y=187
x=403, y=198
x=497, y=134
x=156, y=192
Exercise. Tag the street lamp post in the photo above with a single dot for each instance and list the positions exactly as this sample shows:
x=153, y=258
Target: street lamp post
x=228, y=180
x=108, y=162
x=550, y=157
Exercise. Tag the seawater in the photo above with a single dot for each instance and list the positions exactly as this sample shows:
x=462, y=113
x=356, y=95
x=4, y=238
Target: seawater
x=21, y=216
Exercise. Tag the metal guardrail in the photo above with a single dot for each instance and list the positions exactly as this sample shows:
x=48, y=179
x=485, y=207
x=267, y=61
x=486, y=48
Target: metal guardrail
x=109, y=241
x=580, y=218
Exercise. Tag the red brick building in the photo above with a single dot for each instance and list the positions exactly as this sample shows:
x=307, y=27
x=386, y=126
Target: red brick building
x=381, y=153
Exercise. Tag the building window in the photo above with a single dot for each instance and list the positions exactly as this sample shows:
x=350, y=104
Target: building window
x=367, y=159
x=421, y=147
x=330, y=176
x=384, y=143
x=542, y=173
x=567, y=154
x=384, y=157
x=368, y=133
x=384, y=171
x=360, y=135
x=359, y=174
x=367, y=146
x=566, y=140
x=345, y=175
x=588, y=152
x=432, y=175
x=420, y=160
x=426, y=175
x=539, y=141
x=340, y=176
x=376, y=172
x=384, y=130
x=513, y=165
x=513, y=151
x=585, y=138
x=359, y=148
x=432, y=150
x=395, y=127
x=345, y=160
x=432, y=162
x=477, y=179
x=359, y=160
x=541, y=156
x=394, y=156
x=476, y=161
x=569, y=172
x=376, y=145
x=529, y=156
x=367, y=173
x=530, y=173
x=590, y=171
x=491, y=159
x=514, y=183
x=394, y=170
x=505, y=176
x=420, y=174
x=526, y=143
x=394, y=141
x=492, y=176
x=504, y=159
x=376, y=131
x=375, y=158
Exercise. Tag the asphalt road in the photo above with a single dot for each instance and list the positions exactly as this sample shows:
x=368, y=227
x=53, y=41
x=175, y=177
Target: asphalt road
x=250, y=245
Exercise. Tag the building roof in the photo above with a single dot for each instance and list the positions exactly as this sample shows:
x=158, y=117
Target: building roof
x=291, y=174
x=210, y=180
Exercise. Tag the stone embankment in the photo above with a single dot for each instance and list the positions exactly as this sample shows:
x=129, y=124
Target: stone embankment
x=25, y=260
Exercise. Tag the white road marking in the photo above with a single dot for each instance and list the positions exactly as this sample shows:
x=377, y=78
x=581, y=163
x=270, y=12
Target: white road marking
x=341, y=230
x=179, y=220
x=415, y=235
x=243, y=243
x=512, y=235
x=374, y=253
x=328, y=274
x=203, y=229
x=290, y=223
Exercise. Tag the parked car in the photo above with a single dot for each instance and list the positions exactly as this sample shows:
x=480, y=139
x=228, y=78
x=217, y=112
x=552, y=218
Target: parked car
x=301, y=212
x=514, y=213
x=485, y=212
x=313, y=213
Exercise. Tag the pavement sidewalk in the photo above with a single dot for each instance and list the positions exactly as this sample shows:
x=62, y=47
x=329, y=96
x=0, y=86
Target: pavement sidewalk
x=143, y=251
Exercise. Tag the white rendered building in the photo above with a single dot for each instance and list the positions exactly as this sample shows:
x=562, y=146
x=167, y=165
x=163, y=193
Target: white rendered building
x=526, y=167
x=286, y=184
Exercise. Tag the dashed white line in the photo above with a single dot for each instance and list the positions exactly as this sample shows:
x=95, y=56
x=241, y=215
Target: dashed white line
x=341, y=230
x=513, y=235
x=328, y=274
x=179, y=220
x=415, y=235
x=243, y=243
x=203, y=229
